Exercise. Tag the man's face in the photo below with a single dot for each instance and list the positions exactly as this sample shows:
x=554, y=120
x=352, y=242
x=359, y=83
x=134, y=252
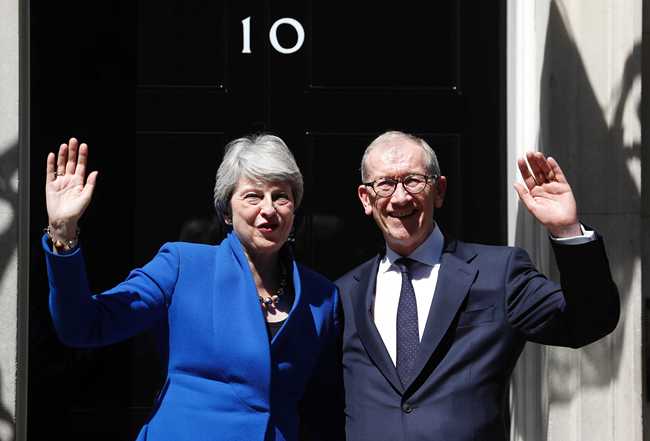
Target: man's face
x=404, y=219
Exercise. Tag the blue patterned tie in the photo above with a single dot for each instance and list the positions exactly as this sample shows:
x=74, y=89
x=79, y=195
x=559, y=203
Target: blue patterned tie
x=408, y=338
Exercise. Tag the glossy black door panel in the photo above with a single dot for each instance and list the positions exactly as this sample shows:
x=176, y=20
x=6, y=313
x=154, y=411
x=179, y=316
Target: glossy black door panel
x=158, y=87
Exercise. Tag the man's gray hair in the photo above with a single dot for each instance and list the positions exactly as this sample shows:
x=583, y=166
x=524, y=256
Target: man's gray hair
x=431, y=161
x=261, y=157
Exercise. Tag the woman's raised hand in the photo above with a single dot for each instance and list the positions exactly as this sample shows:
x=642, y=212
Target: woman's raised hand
x=67, y=191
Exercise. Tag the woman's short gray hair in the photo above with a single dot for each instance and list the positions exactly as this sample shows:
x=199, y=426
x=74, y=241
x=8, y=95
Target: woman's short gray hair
x=431, y=161
x=263, y=157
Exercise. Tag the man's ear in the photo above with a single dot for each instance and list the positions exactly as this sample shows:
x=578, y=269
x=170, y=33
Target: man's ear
x=440, y=189
x=364, y=197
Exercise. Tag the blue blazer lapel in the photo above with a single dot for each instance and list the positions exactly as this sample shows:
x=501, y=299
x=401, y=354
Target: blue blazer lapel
x=455, y=278
x=235, y=300
x=297, y=310
x=368, y=333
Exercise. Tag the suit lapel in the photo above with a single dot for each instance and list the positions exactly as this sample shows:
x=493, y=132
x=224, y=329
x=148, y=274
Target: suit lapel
x=237, y=297
x=455, y=278
x=368, y=333
x=296, y=314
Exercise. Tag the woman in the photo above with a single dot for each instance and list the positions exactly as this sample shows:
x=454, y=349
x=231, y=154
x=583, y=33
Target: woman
x=247, y=326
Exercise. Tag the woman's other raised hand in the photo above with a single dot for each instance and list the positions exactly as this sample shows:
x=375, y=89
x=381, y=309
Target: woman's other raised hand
x=67, y=191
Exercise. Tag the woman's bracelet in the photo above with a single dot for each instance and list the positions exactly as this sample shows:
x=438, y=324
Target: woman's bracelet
x=61, y=246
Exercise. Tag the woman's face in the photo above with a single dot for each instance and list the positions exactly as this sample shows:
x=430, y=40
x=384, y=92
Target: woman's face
x=262, y=215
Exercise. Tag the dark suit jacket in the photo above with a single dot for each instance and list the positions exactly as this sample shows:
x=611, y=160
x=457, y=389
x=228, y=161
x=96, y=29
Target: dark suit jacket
x=489, y=301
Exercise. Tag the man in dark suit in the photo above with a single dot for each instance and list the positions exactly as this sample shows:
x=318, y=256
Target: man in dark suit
x=430, y=341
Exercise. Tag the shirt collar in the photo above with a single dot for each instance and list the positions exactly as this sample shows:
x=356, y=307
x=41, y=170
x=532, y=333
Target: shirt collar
x=428, y=253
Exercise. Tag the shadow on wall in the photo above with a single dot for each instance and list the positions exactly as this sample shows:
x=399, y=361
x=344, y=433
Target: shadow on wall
x=8, y=239
x=595, y=157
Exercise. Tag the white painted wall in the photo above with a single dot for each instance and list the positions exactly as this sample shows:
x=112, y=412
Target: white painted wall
x=9, y=87
x=574, y=91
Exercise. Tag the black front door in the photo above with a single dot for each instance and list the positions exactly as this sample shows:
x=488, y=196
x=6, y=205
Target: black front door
x=327, y=77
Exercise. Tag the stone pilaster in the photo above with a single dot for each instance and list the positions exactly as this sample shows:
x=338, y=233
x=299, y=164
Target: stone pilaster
x=584, y=62
x=9, y=127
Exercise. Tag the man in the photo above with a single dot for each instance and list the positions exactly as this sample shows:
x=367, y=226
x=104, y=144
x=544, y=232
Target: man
x=430, y=342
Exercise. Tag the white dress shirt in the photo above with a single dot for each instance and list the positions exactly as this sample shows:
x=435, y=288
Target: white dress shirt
x=424, y=276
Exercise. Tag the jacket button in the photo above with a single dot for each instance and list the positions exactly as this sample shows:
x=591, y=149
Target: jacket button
x=406, y=408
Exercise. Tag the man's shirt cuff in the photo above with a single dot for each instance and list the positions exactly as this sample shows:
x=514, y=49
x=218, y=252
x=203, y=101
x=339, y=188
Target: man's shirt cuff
x=585, y=237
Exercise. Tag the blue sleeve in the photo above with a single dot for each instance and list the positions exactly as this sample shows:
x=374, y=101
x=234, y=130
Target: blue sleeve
x=82, y=319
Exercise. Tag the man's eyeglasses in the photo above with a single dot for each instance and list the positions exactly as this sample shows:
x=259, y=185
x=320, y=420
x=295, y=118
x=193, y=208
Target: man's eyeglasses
x=413, y=184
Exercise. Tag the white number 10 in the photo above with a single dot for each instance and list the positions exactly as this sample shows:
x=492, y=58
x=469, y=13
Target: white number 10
x=273, y=35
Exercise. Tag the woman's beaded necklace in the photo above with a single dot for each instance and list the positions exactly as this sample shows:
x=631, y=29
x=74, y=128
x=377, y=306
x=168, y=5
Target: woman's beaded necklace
x=273, y=300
